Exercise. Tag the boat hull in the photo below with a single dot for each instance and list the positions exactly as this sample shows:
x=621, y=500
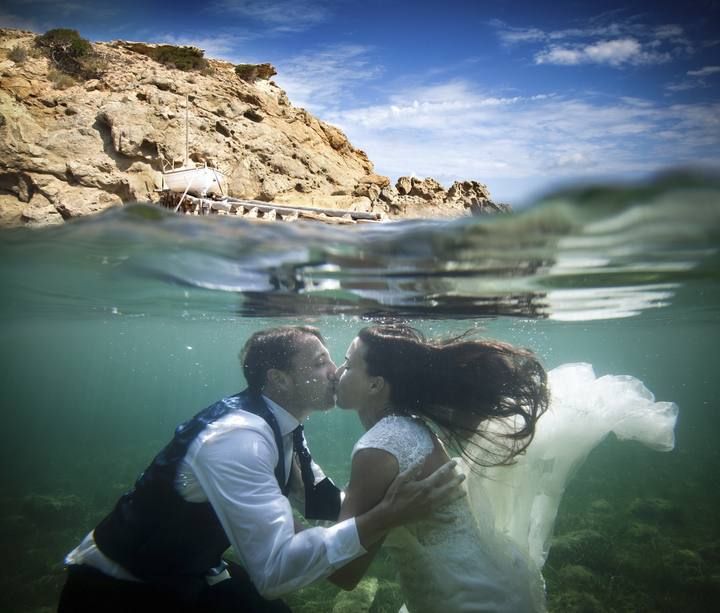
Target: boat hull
x=196, y=181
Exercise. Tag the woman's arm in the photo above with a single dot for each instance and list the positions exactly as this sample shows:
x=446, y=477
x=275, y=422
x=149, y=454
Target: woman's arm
x=372, y=471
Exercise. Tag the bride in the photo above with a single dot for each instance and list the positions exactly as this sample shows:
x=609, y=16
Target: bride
x=521, y=433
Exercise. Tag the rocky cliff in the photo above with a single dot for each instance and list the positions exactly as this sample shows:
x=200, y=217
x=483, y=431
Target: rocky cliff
x=74, y=146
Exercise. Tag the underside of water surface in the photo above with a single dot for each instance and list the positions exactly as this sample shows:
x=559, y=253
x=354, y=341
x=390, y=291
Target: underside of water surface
x=116, y=328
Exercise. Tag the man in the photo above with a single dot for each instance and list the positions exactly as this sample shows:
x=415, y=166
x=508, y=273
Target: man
x=223, y=480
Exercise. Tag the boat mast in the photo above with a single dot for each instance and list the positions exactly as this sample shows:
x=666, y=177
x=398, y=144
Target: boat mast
x=186, y=130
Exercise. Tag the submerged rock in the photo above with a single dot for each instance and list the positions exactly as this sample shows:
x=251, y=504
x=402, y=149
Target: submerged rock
x=655, y=509
x=358, y=600
x=685, y=566
x=581, y=547
x=710, y=552
x=579, y=577
x=641, y=532
x=50, y=510
x=576, y=602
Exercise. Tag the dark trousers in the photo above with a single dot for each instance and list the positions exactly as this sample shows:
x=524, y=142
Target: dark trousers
x=87, y=590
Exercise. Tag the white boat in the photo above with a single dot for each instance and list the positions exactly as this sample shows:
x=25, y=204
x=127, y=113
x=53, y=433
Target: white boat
x=195, y=180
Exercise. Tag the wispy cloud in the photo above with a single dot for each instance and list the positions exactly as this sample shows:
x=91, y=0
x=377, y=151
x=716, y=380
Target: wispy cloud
x=705, y=71
x=324, y=79
x=455, y=131
x=615, y=44
x=277, y=15
x=694, y=79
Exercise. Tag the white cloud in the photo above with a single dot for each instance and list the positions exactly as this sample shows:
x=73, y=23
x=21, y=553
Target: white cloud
x=599, y=30
x=610, y=52
x=615, y=44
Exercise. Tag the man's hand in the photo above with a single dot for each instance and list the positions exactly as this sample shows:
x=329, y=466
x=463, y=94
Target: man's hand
x=410, y=499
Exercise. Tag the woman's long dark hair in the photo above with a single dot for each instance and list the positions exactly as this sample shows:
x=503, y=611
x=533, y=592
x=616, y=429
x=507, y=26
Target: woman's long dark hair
x=485, y=397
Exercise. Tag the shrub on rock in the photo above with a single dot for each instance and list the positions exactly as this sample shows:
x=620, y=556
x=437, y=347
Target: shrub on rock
x=253, y=72
x=70, y=52
x=182, y=58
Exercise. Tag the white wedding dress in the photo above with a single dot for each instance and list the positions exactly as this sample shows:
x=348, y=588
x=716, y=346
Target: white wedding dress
x=489, y=556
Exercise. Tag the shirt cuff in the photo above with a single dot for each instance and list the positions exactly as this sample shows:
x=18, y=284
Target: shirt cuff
x=343, y=543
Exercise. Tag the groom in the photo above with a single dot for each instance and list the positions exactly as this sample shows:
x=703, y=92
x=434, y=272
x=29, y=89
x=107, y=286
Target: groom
x=224, y=480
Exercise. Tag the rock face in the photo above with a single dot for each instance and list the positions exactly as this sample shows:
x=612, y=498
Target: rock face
x=72, y=148
x=413, y=197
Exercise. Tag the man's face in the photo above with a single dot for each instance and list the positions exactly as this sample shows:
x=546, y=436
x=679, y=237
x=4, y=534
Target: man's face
x=312, y=372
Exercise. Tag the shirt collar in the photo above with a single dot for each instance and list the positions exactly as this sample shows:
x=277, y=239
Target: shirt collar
x=286, y=422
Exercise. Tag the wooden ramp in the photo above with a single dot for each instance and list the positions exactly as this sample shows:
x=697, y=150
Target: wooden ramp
x=262, y=211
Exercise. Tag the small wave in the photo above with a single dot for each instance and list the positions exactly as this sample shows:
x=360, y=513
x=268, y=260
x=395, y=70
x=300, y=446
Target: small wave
x=589, y=253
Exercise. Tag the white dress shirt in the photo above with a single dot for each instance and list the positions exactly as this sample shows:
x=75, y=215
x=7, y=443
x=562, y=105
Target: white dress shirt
x=231, y=464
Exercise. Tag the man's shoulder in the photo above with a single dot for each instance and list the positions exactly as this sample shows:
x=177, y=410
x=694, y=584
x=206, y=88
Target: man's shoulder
x=237, y=432
x=245, y=401
x=238, y=420
x=234, y=415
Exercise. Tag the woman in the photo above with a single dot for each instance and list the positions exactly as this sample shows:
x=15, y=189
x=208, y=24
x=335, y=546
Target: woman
x=485, y=399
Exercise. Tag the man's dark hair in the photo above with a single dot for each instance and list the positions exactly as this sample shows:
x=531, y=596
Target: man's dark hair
x=272, y=348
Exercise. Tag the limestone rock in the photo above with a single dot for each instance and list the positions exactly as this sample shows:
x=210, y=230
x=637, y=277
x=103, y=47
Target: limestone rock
x=427, y=189
x=70, y=147
x=404, y=185
x=463, y=190
x=374, y=179
x=415, y=197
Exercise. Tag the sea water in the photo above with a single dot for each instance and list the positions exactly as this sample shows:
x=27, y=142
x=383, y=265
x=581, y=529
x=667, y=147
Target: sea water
x=115, y=328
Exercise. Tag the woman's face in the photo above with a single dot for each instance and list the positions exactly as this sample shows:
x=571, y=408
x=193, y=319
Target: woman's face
x=353, y=383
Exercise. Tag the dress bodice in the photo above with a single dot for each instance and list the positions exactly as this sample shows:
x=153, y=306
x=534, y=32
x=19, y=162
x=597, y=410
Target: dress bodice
x=450, y=563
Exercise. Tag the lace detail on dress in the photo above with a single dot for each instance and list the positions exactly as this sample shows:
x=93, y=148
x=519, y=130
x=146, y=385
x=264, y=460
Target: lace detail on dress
x=406, y=438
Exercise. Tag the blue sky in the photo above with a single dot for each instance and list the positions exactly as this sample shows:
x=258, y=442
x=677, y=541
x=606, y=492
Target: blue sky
x=521, y=95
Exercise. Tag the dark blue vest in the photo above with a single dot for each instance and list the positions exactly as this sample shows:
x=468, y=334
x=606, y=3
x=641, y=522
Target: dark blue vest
x=162, y=538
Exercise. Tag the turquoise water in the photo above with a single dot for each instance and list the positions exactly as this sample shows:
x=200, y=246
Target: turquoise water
x=116, y=328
